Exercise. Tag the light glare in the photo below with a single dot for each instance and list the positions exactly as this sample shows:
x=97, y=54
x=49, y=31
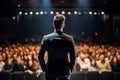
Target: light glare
x=31, y=12
x=26, y=13
x=20, y=12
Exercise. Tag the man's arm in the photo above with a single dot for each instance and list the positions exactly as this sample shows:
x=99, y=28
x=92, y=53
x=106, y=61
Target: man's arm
x=72, y=54
x=41, y=55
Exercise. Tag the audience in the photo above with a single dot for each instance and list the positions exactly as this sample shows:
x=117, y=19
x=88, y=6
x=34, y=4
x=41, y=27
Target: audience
x=8, y=67
x=23, y=57
x=103, y=65
x=115, y=65
x=30, y=67
x=18, y=66
x=93, y=66
x=83, y=62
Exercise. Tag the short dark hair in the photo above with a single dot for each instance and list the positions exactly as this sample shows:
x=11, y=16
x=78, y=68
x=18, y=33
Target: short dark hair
x=58, y=21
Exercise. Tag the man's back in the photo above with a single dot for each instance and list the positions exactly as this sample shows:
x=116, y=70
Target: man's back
x=58, y=44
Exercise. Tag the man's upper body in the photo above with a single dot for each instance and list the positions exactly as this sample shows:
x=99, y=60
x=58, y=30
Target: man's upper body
x=83, y=62
x=103, y=65
x=18, y=66
x=57, y=44
x=8, y=67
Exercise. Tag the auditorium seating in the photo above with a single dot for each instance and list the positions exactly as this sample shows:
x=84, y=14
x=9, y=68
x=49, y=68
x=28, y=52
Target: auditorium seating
x=116, y=76
x=5, y=76
x=18, y=76
x=77, y=76
x=106, y=76
x=74, y=76
x=41, y=76
x=92, y=75
x=30, y=76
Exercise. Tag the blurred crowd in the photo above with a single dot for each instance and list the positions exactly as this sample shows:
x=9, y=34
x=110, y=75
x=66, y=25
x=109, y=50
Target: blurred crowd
x=89, y=57
x=102, y=58
x=19, y=57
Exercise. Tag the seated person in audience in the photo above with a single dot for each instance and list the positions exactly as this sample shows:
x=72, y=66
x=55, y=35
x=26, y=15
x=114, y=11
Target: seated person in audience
x=103, y=65
x=93, y=66
x=1, y=63
x=97, y=57
x=8, y=67
x=18, y=66
x=83, y=62
x=30, y=68
x=114, y=64
x=4, y=56
x=108, y=56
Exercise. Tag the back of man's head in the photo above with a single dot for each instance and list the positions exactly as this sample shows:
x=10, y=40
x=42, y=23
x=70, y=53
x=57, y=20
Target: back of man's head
x=59, y=21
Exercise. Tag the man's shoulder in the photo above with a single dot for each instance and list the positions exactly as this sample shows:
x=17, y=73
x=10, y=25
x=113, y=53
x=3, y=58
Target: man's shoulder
x=48, y=35
x=67, y=35
x=64, y=35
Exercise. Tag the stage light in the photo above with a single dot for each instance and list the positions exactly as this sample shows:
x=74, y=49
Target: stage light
x=90, y=12
x=13, y=17
x=57, y=12
x=75, y=12
x=20, y=12
x=102, y=13
x=19, y=5
x=26, y=13
x=41, y=12
x=31, y=12
x=79, y=13
x=95, y=13
x=69, y=13
x=51, y=12
x=63, y=12
x=37, y=13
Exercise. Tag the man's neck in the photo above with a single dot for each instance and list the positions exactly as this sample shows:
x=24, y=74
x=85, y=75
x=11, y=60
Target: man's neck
x=57, y=30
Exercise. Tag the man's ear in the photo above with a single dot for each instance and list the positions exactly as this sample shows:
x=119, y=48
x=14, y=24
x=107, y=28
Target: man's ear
x=63, y=25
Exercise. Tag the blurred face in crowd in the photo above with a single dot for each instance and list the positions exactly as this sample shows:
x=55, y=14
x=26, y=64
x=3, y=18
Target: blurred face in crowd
x=93, y=62
x=19, y=61
x=108, y=54
x=29, y=57
x=9, y=62
x=82, y=56
x=93, y=54
x=97, y=56
x=14, y=56
x=4, y=55
x=102, y=57
x=117, y=53
x=30, y=63
x=115, y=59
x=87, y=55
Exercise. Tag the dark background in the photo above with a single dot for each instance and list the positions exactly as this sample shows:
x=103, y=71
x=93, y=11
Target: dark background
x=22, y=26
